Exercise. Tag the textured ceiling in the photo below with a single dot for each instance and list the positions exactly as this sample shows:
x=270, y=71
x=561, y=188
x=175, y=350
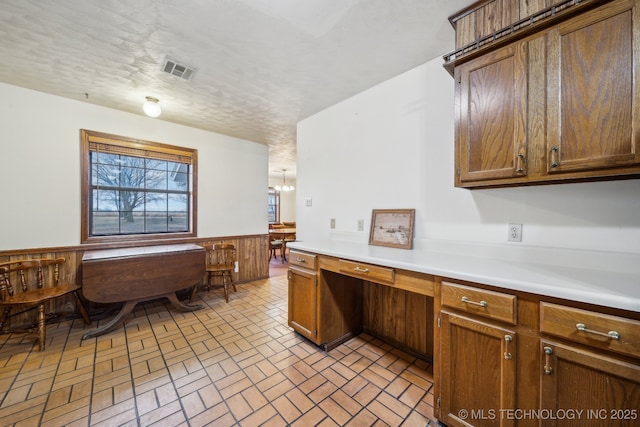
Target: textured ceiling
x=262, y=65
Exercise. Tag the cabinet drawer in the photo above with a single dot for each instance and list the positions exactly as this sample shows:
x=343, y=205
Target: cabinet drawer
x=373, y=273
x=494, y=305
x=599, y=330
x=302, y=259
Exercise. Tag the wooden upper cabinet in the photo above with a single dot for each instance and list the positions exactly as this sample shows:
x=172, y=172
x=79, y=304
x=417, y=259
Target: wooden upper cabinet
x=560, y=103
x=491, y=114
x=592, y=104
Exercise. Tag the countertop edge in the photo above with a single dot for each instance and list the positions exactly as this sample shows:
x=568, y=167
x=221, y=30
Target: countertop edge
x=574, y=284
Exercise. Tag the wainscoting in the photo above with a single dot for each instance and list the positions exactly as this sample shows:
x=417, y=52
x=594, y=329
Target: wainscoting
x=252, y=254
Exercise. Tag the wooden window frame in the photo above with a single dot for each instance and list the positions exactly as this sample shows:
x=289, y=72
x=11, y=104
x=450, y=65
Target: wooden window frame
x=137, y=148
x=276, y=194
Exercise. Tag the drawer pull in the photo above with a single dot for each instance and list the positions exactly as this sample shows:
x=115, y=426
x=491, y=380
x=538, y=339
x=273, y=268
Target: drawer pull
x=301, y=260
x=468, y=301
x=614, y=335
x=548, y=351
x=360, y=270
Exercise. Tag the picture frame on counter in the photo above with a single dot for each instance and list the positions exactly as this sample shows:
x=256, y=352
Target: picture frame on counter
x=392, y=228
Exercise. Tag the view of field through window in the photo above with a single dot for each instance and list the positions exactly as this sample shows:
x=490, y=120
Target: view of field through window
x=136, y=195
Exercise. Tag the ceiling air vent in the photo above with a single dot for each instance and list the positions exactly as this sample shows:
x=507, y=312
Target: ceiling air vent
x=179, y=70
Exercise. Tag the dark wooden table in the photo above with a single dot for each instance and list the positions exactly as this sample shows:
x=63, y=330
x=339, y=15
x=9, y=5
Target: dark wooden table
x=286, y=235
x=133, y=275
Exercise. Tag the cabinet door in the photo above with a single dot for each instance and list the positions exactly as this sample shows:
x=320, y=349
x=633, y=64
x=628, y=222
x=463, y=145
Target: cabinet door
x=592, y=95
x=478, y=372
x=303, y=302
x=605, y=389
x=491, y=101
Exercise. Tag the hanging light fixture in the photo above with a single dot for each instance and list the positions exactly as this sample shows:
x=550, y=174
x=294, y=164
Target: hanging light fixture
x=151, y=107
x=284, y=186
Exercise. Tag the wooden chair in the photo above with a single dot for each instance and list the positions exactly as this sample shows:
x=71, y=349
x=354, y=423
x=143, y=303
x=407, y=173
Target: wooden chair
x=37, y=283
x=288, y=239
x=275, y=243
x=221, y=262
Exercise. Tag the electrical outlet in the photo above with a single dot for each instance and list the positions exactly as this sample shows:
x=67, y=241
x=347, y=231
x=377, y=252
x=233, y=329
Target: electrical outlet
x=308, y=202
x=333, y=223
x=236, y=268
x=361, y=225
x=515, y=233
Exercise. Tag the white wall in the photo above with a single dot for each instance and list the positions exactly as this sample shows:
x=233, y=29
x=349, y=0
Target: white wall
x=392, y=147
x=40, y=169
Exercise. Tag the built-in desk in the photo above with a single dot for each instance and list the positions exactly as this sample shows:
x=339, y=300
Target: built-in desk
x=332, y=299
x=504, y=333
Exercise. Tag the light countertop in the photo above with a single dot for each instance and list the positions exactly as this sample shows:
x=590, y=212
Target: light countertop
x=577, y=278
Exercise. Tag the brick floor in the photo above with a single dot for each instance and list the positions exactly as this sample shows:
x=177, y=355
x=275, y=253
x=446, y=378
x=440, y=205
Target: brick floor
x=229, y=364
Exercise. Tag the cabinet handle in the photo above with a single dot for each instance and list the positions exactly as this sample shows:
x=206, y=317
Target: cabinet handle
x=520, y=164
x=548, y=351
x=554, y=156
x=507, y=340
x=468, y=301
x=361, y=270
x=301, y=260
x=614, y=335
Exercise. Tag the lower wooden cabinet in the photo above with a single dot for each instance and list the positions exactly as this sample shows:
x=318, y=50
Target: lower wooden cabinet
x=477, y=372
x=303, y=305
x=516, y=359
x=584, y=388
x=590, y=366
x=324, y=306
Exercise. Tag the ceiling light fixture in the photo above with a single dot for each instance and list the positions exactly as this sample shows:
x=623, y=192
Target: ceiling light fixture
x=151, y=107
x=284, y=186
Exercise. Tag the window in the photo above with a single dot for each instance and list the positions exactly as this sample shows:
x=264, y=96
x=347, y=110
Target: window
x=135, y=189
x=274, y=205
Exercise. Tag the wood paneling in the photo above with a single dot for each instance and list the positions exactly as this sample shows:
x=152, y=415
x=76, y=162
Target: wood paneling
x=403, y=317
x=339, y=308
x=252, y=253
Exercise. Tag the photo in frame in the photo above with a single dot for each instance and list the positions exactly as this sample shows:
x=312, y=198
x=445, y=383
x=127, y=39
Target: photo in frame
x=392, y=228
